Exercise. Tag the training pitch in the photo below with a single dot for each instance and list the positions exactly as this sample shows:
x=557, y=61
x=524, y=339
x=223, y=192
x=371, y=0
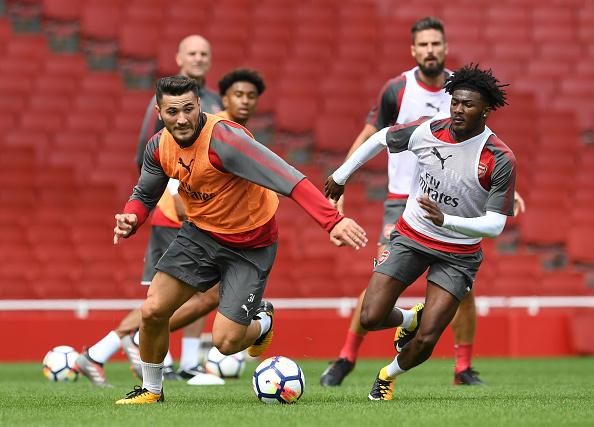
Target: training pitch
x=526, y=392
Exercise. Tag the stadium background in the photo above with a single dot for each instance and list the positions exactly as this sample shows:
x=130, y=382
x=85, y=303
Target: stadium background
x=75, y=78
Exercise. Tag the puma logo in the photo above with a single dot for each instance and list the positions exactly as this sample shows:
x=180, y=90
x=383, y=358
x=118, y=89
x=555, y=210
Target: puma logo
x=438, y=155
x=186, y=167
x=430, y=105
x=247, y=310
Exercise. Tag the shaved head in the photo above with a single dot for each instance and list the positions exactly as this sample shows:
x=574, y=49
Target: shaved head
x=193, y=57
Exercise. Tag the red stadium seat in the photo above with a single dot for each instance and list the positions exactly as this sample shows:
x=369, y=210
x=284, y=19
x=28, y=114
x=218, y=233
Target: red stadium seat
x=71, y=65
x=139, y=41
x=335, y=133
x=62, y=10
x=564, y=282
x=295, y=115
x=580, y=245
x=100, y=21
x=105, y=83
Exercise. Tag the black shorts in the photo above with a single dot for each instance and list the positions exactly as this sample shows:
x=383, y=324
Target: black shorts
x=405, y=260
x=159, y=241
x=200, y=261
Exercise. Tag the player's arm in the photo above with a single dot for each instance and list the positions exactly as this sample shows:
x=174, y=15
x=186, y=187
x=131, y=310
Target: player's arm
x=146, y=194
x=233, y=151
x=489, y=225
x=396, y=138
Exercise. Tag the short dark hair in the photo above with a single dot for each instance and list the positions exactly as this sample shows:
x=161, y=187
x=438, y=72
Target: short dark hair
x=175, y=85
x=471, y=77
x=241, y=75
x=427, y=23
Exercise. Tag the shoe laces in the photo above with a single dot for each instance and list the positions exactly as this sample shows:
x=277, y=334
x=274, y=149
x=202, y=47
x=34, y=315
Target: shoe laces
x=402, y=332
x=138, y=390
x=382, y=387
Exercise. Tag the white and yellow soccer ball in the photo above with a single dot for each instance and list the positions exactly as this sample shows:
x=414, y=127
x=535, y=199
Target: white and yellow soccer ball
x=278, y=380
x=223, y=366
x=58, y=364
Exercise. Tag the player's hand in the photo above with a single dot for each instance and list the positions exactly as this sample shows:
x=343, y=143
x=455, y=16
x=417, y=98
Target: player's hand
x=433, y=214
x=332, y=190
x=125, y=225
x=348, y=232
x=338, y=204
x=519, y=205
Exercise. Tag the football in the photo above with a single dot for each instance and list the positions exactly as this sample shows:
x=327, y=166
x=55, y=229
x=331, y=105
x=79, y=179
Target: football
x=230, y=366
x=58, y=364
x=278, y=380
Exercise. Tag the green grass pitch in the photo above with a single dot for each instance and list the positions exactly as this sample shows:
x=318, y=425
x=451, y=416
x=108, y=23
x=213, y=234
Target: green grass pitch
x=527, y=392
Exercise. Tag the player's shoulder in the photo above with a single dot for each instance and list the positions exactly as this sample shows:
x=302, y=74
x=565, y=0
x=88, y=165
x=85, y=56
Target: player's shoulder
x=500, y=150
x=396, y=83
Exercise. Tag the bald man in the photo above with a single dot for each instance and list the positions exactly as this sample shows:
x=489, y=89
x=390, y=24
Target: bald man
x=193, y=58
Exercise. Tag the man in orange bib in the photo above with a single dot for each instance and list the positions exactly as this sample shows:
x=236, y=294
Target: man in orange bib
x=228, y=183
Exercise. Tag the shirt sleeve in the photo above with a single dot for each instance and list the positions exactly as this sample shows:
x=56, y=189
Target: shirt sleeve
x=489, y=225
x=503, y=179
x=151, y=124
x=374, y=145
x=151, y=183
x=398, y=136
x=243, y=156
x=387, y=106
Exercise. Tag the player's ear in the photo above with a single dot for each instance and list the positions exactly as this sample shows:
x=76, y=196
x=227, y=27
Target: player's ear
x=225, y=100
x=158, y=111
x=486, y=112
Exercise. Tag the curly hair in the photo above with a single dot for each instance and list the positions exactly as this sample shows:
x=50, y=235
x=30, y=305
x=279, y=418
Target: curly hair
x=471, y=77
x=241, y=75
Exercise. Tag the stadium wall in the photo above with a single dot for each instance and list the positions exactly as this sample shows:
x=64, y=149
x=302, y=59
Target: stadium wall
x=319, y=333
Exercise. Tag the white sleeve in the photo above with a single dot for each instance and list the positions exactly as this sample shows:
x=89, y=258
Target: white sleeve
x=490, y=225
x=172, y=186
x=374, y=145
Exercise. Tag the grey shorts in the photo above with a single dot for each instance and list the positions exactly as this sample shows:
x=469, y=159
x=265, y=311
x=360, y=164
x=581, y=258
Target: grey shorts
x=405, y=260
x=200, y=261
x=393, y=209
x=159, y=241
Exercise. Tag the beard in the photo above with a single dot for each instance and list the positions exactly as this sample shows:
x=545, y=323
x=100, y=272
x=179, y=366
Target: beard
x=432, y=71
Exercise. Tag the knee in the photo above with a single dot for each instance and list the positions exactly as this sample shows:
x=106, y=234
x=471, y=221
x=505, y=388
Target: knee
x=369, y=320
x=152, y=311
x=227, y=345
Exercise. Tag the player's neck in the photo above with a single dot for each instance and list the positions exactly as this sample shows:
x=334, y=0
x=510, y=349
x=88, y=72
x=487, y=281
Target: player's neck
x=241, y=122
x=461, y=137
x=437, y=81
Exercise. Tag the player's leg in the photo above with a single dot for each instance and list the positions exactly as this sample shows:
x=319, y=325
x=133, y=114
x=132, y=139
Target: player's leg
x=166, y=294
x=449, y=279
x=130, y=323
x=243, y=319
x=187, y=258
x=440, y=308
x=339, y=368
x=464, y=328
x=345, y=363
x=189, y=365
x=159, y=240
x=201, y=304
